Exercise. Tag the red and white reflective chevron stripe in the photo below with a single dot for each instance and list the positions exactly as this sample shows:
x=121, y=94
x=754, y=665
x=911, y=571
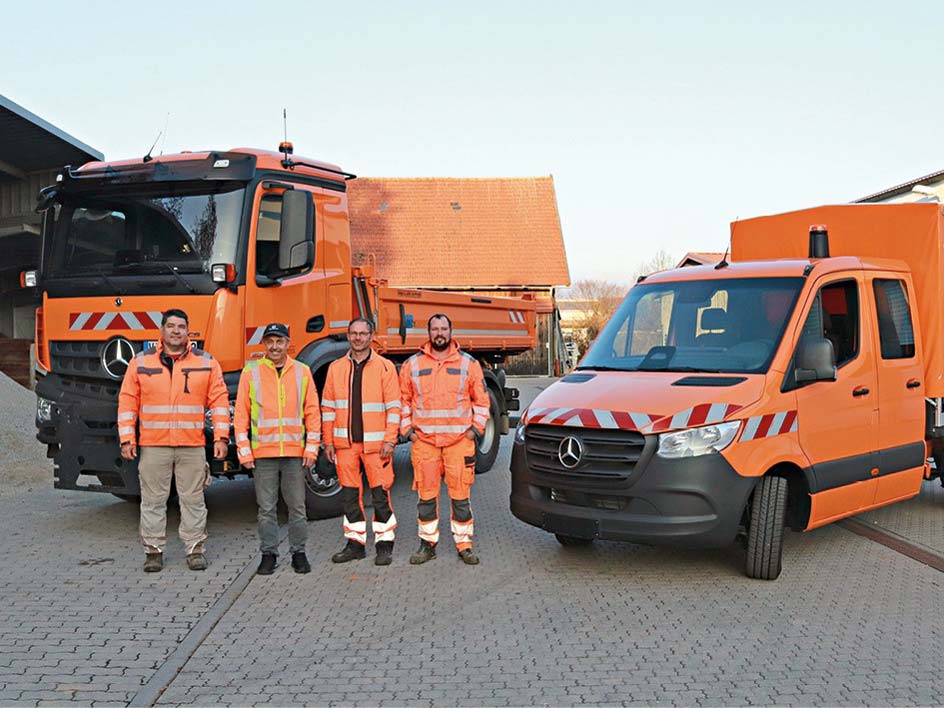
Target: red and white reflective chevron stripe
x=105, y=321
x=702, y=414
x=254, y=335
x=766, y=426
x=589, y=418
x=516, y=316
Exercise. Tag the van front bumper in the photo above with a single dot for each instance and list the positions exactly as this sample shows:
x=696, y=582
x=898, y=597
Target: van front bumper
x=691, y=502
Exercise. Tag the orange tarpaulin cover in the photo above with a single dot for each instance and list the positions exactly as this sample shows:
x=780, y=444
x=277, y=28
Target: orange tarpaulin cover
x=913, y=233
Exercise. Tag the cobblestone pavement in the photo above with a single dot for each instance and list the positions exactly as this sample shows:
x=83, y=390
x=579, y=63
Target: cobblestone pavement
x=849, y=622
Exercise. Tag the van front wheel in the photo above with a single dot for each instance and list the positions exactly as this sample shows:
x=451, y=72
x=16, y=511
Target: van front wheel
x=766, y=528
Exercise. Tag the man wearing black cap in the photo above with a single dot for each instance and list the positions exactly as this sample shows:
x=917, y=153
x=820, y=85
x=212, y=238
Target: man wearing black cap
x=278, y=431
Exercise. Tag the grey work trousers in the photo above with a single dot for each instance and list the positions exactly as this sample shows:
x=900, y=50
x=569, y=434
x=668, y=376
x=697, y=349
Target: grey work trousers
x=186, y=466
x=269, y=474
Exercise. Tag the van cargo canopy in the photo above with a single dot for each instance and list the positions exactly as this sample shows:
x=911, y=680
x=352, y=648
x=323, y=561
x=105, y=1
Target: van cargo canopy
x=913, y=233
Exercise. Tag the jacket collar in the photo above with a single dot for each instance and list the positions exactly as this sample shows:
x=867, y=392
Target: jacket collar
x=370, y=355
x=289, y=362
x=188, y=347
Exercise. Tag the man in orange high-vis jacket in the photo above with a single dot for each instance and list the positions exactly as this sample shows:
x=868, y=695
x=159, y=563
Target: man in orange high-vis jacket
x=445, y=404
x=278, y=432
x=360, y=421
x=165, y=393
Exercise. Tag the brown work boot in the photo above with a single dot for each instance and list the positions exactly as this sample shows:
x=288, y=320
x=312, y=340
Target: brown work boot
x=196, y=561
x=426, y=552
x=154, y=563
x=468, y=557
x=352, y=551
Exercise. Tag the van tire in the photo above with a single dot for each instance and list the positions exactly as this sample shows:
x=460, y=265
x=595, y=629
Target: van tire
x=322, y=496
x=572, y=540
x=486, y=446
x=766, y=530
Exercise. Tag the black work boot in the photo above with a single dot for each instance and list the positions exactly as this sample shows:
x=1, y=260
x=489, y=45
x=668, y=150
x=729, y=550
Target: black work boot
x=300, y=562
x=154, y=563
x=384, y=553
x=352, y=551
x=468, y=557
x=426, y=552
x=267, y=565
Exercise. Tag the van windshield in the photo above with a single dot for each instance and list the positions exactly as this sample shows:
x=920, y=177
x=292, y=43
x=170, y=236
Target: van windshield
x=727, y=325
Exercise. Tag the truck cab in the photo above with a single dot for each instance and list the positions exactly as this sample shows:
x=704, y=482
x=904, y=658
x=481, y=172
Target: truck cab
x=739, y=398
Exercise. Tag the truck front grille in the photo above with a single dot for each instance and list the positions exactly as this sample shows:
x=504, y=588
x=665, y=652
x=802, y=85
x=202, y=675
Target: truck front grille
x=607, y=455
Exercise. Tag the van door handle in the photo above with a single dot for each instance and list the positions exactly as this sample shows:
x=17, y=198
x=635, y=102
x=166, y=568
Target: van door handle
x=861, y=391
x=913, y=383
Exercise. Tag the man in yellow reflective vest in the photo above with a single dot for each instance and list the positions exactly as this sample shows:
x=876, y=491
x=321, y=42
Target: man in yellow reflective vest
x=361, y=408
x=278, y=431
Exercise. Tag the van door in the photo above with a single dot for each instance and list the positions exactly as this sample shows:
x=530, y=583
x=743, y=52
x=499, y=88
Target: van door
x=295, y=297
x=837, y=420
x=901, y=408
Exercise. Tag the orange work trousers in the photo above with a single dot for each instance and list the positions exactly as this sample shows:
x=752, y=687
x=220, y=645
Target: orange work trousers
x=457, y=464
x=380, y=479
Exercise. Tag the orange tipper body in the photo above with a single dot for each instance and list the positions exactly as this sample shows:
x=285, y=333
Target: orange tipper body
x=168, y=403
x=277, y=413
x=787, y=388
x=237, y=239
x=380, y=403
x=442, y=398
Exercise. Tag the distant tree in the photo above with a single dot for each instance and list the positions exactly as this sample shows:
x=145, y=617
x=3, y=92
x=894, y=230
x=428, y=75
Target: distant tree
x=661, y=260
x=600, y=298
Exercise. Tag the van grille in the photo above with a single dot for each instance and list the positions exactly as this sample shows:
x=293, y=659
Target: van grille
x=608, y=455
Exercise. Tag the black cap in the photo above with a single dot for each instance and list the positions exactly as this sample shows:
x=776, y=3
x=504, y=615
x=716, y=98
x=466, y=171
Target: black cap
x=275, y=329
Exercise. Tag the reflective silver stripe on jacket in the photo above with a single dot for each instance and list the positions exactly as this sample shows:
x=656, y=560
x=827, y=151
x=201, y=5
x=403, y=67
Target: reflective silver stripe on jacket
x=173, y=409
x=171, y=424
x=442, y=428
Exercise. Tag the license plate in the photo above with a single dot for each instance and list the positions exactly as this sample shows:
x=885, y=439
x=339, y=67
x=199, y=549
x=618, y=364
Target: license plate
x=571, y=526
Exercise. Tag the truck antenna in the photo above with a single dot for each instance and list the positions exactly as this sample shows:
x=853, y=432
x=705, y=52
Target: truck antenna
x=148, y=158
x=166, y=121
x=723, y=263
x=285, y=147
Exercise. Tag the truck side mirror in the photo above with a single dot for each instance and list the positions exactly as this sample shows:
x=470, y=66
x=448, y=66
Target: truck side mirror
x=815, y=361
x=296, y=230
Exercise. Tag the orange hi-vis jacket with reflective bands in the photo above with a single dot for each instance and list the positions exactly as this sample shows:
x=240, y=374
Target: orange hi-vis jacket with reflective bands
x=380, y=402
x=169, y=403
x=277, y=415
x=442, y=398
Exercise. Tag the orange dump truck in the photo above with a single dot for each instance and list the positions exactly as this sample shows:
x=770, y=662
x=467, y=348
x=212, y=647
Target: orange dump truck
x=799, y=384
x=237, y=239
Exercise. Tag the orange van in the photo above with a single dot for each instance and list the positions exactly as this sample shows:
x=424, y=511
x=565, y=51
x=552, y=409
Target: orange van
x=796, y=385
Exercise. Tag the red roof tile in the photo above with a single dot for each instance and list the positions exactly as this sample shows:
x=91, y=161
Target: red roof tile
x=459, y=233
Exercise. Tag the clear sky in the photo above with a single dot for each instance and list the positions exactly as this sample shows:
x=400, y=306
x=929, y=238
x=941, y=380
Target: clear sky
x=660, y=122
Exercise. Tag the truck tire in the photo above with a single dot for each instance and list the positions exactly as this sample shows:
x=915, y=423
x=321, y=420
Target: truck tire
x=572, y=540
x=766, y=529
x=486, y=447
x=322, y=491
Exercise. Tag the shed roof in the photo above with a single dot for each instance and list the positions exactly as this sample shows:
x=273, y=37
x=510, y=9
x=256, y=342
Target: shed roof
x=459, y=232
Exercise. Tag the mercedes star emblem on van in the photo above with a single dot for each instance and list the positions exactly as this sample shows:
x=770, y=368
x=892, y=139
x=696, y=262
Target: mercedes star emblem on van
x=569, y=452
x=116, y=355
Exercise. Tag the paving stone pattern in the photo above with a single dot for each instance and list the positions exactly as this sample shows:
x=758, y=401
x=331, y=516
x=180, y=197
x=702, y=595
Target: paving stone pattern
x=849, y=622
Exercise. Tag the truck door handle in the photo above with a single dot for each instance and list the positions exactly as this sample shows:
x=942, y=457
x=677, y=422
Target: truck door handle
x=913, y=383
x=861, y=391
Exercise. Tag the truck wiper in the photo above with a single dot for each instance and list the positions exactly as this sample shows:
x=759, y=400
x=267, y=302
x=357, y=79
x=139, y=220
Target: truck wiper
x=108, y=281
x=166, y=266
x=682, y=369
x=599, y=368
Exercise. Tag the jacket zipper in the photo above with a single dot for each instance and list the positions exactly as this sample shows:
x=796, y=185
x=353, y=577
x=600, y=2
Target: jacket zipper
x=281, y=392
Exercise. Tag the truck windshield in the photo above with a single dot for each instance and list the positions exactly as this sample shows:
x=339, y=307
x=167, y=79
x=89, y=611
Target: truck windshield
x=178, y=227
x=729, y=325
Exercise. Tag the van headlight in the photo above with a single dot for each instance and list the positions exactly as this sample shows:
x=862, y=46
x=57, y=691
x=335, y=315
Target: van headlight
x=43, y=410
x=697, y=441
x=519, y=433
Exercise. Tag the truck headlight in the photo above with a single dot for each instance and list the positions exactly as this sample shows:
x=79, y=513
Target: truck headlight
x=43, y=410
x=697, y=441
x=519, y=433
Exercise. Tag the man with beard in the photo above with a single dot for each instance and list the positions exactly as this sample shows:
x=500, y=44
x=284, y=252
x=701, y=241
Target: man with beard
x=445, y=404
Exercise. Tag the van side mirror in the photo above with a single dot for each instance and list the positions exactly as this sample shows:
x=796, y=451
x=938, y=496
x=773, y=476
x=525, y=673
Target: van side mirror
x=296, y=231
x=815, y=361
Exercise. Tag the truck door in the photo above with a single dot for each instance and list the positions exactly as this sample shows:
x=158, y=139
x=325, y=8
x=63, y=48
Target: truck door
x=901, y=408
x=837, y=420
x=293, y=297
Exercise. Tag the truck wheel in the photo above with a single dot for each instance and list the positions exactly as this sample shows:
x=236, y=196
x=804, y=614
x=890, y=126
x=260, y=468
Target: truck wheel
x=322, y=491
x=486, y=449
x=572, y=540
x=766, y=528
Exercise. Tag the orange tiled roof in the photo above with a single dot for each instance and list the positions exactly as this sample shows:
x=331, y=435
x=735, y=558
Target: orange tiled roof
x=459, y=232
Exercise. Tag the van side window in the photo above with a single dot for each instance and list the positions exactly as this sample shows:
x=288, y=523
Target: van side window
x=835, y=316
x=895, y=331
